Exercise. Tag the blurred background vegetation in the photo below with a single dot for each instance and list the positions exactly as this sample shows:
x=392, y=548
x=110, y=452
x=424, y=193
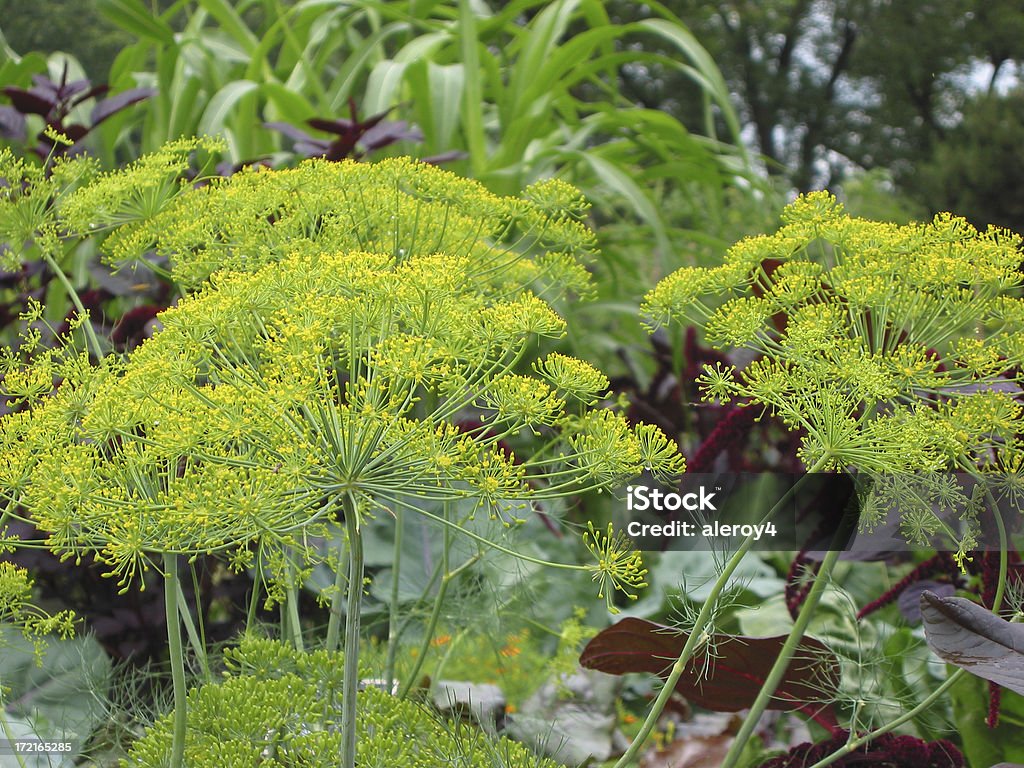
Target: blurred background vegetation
x=925, y=95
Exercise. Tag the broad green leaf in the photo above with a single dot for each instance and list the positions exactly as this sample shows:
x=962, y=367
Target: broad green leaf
x=445, y=85
x=421, y=47
x=224, y=102
x=706, y=71
x=354, y=67
x=384, y=87
x=982, y=745
x=537, y=40
x=472, y=104
x=64, y=697
x=286, y=104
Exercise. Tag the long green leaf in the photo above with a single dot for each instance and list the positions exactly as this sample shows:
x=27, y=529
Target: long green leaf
x=232, y=23
x=537, y=41
x=217, y=113
x=132, y=16
x=354, y=67
x=621, y=185
x=715, y=85
x=384, y=87
x=287, y=104
x=438, y=114
x=472, y=102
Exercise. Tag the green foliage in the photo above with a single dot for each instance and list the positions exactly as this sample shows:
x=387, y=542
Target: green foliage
x=827, y=87
x=51, y=689
x=976, y=166
x=280, y=707
x=71, y=26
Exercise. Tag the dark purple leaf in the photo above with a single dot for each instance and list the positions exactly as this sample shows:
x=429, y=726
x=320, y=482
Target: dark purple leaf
x=340, y=127
x=31, y=102
x=388, y=133
x=971, y=637
x=312, y=148
x=341, y=148
x=445, y=157
x=735, y=672
x=117, y=102
x=909, y=601
x=293, y=133
x=44, y=83
x=66, y=92
x=12, y=124
x=92, y=93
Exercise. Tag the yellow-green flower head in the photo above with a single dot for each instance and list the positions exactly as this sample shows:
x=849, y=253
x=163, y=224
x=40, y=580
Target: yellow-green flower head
x=894, y=348
x=16, y=609
x=355, y=347
x=397, y=207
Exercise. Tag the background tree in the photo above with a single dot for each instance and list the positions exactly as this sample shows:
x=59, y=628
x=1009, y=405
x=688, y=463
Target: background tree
x=827, y=87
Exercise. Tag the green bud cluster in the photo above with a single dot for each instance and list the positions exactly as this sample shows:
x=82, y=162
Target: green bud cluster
x=279, y=707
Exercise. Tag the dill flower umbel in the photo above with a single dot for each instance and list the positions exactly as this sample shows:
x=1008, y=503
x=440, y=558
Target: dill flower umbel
x=348, y=321
x=894, y=348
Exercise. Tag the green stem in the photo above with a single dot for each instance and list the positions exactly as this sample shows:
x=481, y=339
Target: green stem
x=257, y=579
x=5, y=726
x=350, y=681
x=697, y=632
x=171, y=590
x=195, y=638
x=781, y=665
x=429, y=629
x=334, y=622
x=396, y=563
x=90, y=332
x=928, y=701
x=292, y=607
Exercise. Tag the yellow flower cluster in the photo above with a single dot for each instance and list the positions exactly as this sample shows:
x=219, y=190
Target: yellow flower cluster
x=895, y=348
x=397, y=208
x=353, y=341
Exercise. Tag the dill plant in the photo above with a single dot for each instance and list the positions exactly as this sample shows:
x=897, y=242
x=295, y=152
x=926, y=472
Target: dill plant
x=277, y=706
x=357, y=340
x=898, y=350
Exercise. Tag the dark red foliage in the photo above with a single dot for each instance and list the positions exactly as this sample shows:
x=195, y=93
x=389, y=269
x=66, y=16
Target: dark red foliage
x=887, y=751
x=54, y=101
x=133, y=326
x=353, y=137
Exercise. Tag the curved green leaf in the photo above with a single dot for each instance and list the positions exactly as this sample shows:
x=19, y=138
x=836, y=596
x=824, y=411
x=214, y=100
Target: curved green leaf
x=132, y=16
x=215, y=117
